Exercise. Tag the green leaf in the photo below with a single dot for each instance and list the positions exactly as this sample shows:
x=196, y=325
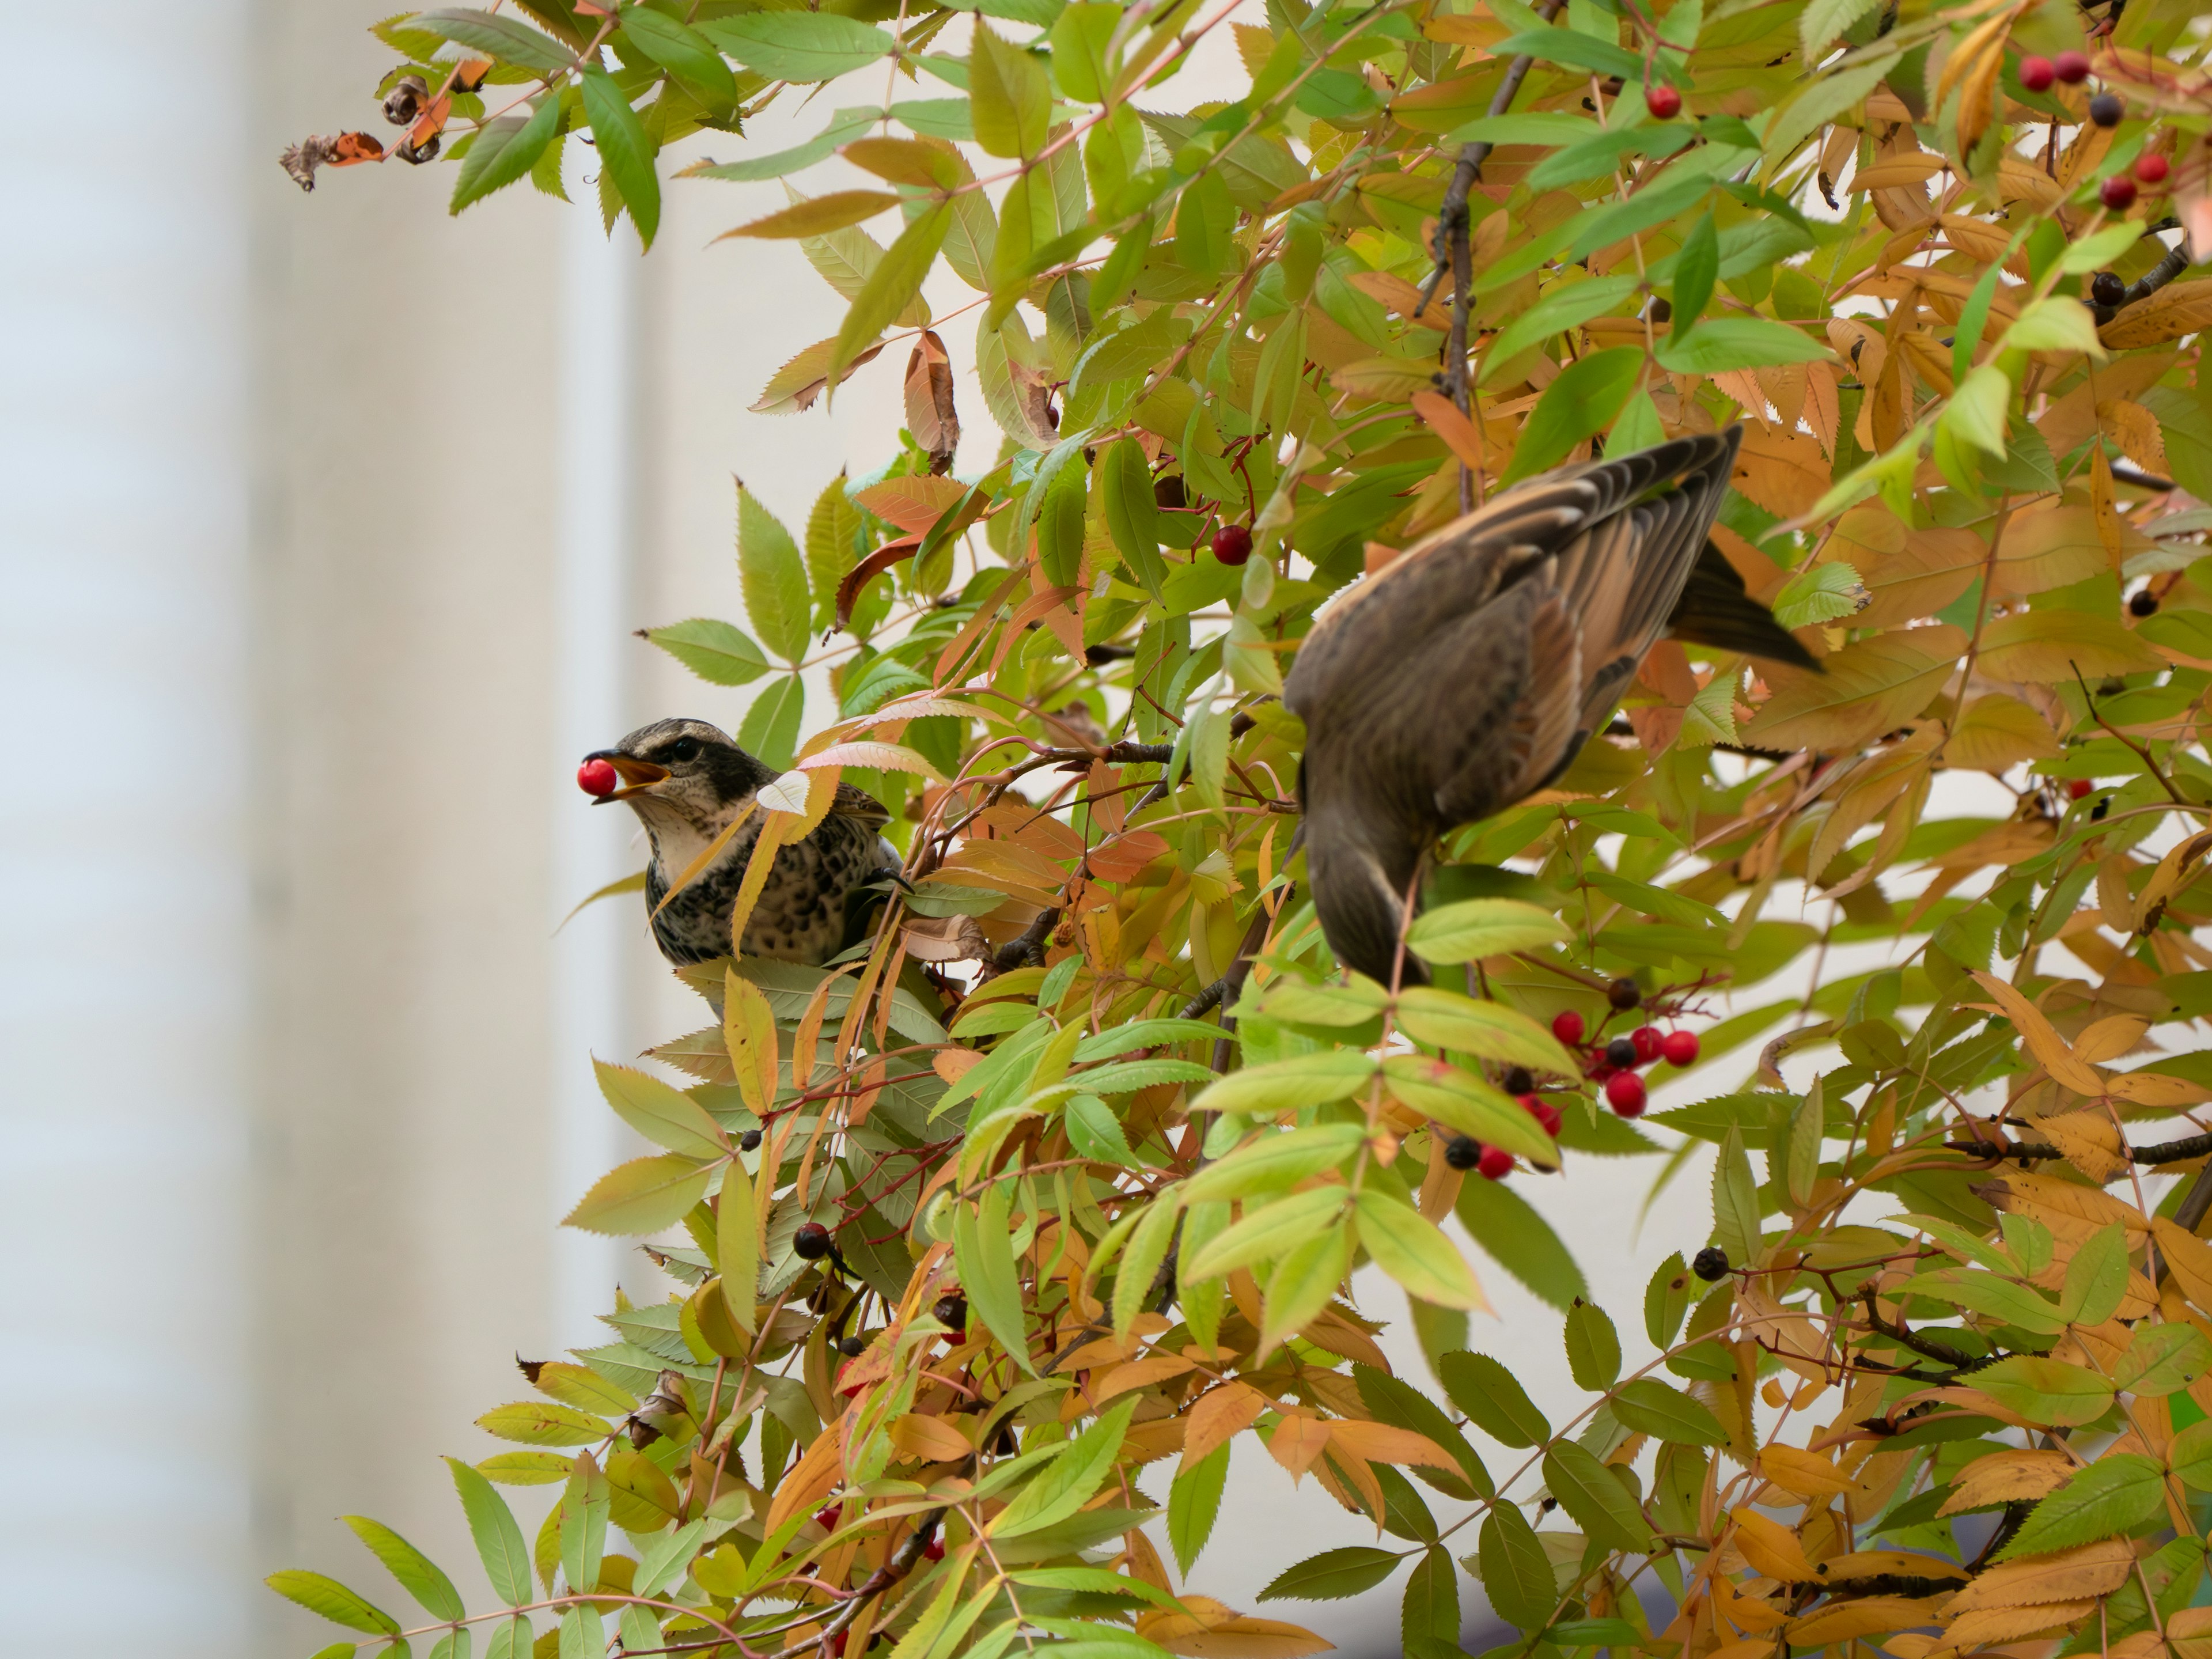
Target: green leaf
x=1284, y=1085
x=1302, y=1283
x=1649, y=1407
x=684, y=52
x=1802, y=1148
x=799, y=46
x=2116, y=1494
x=1737, y=1210
x=1579, y=404
x=1593, y=1348
x=501, y=37
x=2162, y=1360
x=818, y=216
x=1414, y=1251
x=773, y=578
x=982, y=1244
x=1492, y=1397
x=1009, y=95
x=505, y=151
x=2097, y=1279
x=1274, y=1161
x=1518, y=1239
x=1194, y=1501
x=1826, y=593
x=1595, y=1496
x=541, y=1422
x=662, y=1114
x=2001, y=1298
x=714, y=650
x=1094, y=1132
x=2046, y=1391
x=498, y=1540
x=1430, y=1611
x=1516, y=1573
x=2190, y=1456
x=1070, y=1480
x=642, y=1196
x=524, y=1468
x=1394, y=1400
x=1568, y=305
x=328, y=1597
x=419, y=1575
x=1666, y=1299
x=1822, y=21
x=737, y=1246
x=1575, y=50
x=1148, y=1247
x=770, y=730
x=1268, y=1232
x=1976, y=414
x=625, y=153
x=583, y=1511
x=1132, y=512
x=1720, y=343
x=891, y=287
x=1483, y=927
x=512, y=1640
x=1487, y=1031
x=1332, y=1575
x=1695, y=272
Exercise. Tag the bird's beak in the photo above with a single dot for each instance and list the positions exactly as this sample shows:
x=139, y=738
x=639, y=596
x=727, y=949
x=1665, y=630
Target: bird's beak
x=637, y=775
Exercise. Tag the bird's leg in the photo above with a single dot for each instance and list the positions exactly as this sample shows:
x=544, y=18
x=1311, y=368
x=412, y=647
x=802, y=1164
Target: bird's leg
x=1028, y=946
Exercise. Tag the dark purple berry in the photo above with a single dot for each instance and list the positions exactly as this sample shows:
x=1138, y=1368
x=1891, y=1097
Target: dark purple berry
x=811, y=1242
x=2106, y=109
x=2107, y=289
x=1623, y=994
x=1711, y=1263
x=1463, y=1152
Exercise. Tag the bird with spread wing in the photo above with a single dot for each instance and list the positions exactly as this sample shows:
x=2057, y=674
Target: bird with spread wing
x=1466, y=675
x=688, y=783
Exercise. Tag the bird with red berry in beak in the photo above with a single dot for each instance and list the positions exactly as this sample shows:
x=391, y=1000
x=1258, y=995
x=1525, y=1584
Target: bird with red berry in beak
x=687, y=781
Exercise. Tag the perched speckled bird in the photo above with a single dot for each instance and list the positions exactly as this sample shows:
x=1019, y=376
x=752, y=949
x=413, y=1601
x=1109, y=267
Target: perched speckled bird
x=686, y=780
x=1468, y=673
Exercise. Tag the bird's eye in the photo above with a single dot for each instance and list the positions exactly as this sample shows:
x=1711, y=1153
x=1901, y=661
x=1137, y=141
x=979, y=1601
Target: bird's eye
x=684, y=749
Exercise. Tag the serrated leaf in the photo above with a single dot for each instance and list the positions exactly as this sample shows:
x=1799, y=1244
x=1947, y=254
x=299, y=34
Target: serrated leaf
x=1518, y=1239
x=664, y=1115
x=501, y=37
x=892, y=286
x=498, y=1538
x=2116, y=1493
x=773, y=578
x=1593, y=1348
x=541, y=1422
x=642, y=1196
x=1493, y=1399
x=417, y=1574
x=1595, y=1496
x=1482, y=927
x=1649, y=1407
x=504, y=152
x=1516, y=1572
x=1414, y=1251
x=816, y=216
x=799, y=46
x=333, y=1601
x=1194, y=1502
x=716, y=652
x=625, y=153
x=982, y=1244
x=1332, y=1575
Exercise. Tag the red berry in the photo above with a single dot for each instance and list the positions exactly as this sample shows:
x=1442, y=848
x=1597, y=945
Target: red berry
x=933, y=1551
x=1496, y=1164
x=811, y=1242
x=1600, y=1071
x=596, y=777
x=1624, y=1092
x=844, y=1389
x=1664, y=102
x=1648, y=1043
x=1232, y=544
x=1567, y=1026
x=2071, y=67
x=2117, y=192
x=2153, y=167
x=1543, y=1111
x=826, y=1518
x=2037, y=74
x=1679, y=1048
x=2080, y=788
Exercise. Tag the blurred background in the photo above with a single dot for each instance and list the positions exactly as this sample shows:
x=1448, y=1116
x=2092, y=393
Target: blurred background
x=330, y=520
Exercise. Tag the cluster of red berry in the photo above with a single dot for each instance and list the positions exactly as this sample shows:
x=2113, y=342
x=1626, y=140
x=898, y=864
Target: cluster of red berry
x=1611, y=1065
x=2106, y=109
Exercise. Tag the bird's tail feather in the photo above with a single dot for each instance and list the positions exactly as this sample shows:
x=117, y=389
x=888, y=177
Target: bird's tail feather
x=1715, y=609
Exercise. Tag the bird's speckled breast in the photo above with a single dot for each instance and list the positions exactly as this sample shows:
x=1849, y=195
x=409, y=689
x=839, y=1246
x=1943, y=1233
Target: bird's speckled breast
x=800, y=914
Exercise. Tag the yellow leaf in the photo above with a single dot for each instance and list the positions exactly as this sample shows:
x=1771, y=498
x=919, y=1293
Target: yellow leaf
x=1205, y=1629
x=2177, y=309
x=1807, y=1474
x=1298, y=1442
x=1873, y=1563
x=812, y=1478
x=2050, y=647
x=818, y=216
x=1771, y=1549
x=1378, y=1443
x=2095, y=1569
x=1870, y=688
x=2055, y=547
x=2188, y=1257
x=1997, y=732
x=2156, y=1089
x=1871, y=1615
x=1975, y=1630
x=930, y=1438
x=2043, y=1040
x=2006, y=1476
x=2070, y=1210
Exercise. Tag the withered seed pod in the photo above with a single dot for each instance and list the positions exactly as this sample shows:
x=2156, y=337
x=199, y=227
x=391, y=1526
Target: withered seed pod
x=405, y=99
